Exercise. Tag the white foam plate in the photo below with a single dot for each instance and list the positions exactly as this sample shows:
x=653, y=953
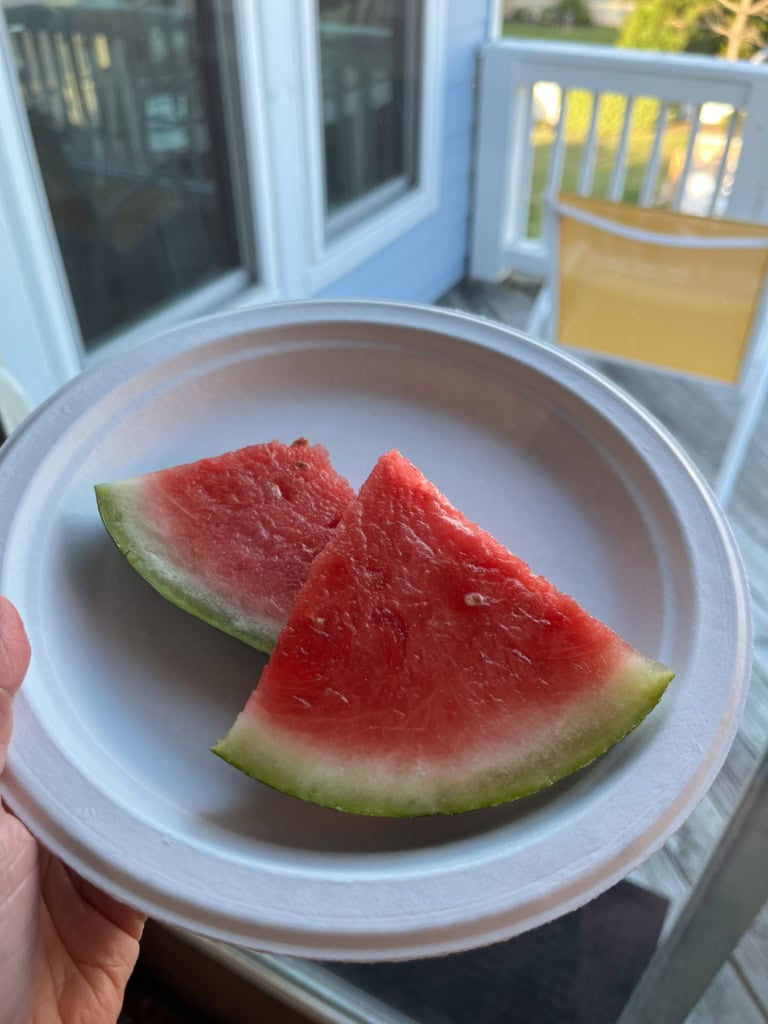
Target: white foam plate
x=109, y=764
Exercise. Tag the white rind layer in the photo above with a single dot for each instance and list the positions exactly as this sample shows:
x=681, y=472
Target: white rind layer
x=407, y=785
x=147, y=551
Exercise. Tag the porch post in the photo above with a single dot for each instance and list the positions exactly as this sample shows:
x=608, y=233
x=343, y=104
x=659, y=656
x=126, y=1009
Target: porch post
x=500, y=154
x=749, y=201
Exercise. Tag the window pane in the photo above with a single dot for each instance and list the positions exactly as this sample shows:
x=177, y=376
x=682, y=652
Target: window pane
x=369, y=72
x=125, y=107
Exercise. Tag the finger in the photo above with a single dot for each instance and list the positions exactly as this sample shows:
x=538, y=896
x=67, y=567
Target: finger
x=14, y=648
x=119, y=914
x=14, y=660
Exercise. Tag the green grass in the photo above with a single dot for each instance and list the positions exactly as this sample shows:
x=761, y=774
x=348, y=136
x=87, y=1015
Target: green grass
x=638, y=153
x=595, y=34
x=577, y=119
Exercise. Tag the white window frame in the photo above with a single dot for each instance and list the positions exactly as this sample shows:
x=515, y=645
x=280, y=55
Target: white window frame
x=278, y=67
x=308, y=261
x=332, y=257
x=40, y=340
x=38, y=332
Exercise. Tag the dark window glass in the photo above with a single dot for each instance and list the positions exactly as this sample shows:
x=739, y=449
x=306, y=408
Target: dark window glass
x=370, y=86
x=125, y=105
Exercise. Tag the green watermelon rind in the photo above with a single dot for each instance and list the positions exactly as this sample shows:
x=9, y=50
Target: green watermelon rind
x=303, y=770
x=118, y=505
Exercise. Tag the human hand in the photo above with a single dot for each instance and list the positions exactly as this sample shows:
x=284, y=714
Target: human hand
x=67, y=950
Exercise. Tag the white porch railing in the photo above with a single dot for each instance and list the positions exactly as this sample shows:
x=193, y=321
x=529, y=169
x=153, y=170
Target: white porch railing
x=119, y=89
x=684, y=132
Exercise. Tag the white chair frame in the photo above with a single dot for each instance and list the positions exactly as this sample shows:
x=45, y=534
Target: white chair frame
x=753, y=381
x=727, y=897
x=14, y=403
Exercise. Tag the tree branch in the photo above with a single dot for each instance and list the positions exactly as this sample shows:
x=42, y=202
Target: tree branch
x=716, y=26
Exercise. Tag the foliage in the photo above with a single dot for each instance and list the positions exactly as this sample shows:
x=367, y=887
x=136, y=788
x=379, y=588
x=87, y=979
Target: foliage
x=741, y=23
x=671, y=25
x=594, y=35
x=572, y=12
x=564, y=13
x=520, y=15
x=610, y=114
x=693, y=26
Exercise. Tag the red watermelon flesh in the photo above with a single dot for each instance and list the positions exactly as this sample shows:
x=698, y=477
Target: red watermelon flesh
x=230, y=538
x=425, y=669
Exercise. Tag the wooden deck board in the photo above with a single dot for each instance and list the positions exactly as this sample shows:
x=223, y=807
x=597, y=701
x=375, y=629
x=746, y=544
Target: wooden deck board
x=699, y=415
x=751, y=957
x=728, y=1000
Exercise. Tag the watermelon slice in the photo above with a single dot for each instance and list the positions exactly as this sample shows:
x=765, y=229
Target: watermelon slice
x=425, y=669
x=230, y=539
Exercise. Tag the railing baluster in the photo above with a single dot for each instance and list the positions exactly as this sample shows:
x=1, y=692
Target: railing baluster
x=100, y=59
x=732, y=122
x=652, y=169
x=364, y=126
x=619, y=172
x=521, y=202
x=557, y=155
x=183, y=61
x=680, y=188
x=589, y=152
x=70, y=79
x=334, y=183
x=54, y=100
x=85, y=73
x=133, y=117
x=35, y=75
x=344, y=148
x=356, y=108
x=65, y=90
x=20, y=62
x=85, y=77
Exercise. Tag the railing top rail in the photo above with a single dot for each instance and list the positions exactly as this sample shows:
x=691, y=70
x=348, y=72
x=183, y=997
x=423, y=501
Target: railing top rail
x=579, y=55
x=703, y=159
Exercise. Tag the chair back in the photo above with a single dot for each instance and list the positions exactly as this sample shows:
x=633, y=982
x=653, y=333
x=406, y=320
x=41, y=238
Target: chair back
x=657, y=287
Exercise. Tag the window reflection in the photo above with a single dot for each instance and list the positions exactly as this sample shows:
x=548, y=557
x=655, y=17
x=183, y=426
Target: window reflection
x=369, y=78
x=124, y=104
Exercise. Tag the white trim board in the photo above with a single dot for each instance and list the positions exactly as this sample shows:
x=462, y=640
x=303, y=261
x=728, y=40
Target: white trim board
x=329, y=258
x=39, y=338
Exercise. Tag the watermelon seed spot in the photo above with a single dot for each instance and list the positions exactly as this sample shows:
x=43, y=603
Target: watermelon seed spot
x=474, y=600
x=274, y=489
x=300, y=442
x=301, y=465
x=330, y=692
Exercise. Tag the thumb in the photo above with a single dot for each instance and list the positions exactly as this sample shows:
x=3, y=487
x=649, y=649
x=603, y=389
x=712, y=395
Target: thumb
x=14, y=659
